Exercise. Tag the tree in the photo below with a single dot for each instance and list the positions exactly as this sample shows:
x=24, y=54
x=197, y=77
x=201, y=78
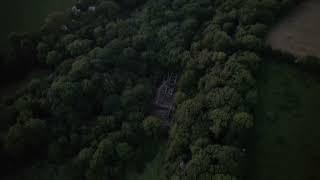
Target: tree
x=199, y=144
x=24, y=103
x=63, y=96
x=112, y=104
x=228, y=27
x=218, y=41
x=59, y=149
x=108, y=8
x=101, y=160
x=25, y=140
x=242, y=80
x=55, y=21
x=35, y=129
x=189, y=26
x=188, y=81
x=81, y=161
x=105, y=67
x=137, y=95
x=242, y=120
x=129, y=54
x=66, y=39
x=179, y=97
x=225, y=96
x=227, y=158
x=152, y=126
x=79, y=47
x=80, y=68
x=250, y=42
x=219, y=56
x=105, y=124
x=42, y=50
x=259, y=30
x=179, y=145
x=53, y=58
x=84, y=4
x=220, y=120
x=250, y=59
x=202, y=61
x=124, y=151
x=8, y=117
x=15, y=142
x=131, y=3
x=56, y=152
x=214, y=159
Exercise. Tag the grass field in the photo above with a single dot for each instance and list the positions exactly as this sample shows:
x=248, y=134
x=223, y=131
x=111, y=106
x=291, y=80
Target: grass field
x=285, y=141
x=153, y=169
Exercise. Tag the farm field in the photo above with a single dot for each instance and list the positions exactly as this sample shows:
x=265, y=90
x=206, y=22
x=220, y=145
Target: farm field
x=285, y=140
x=298, y=33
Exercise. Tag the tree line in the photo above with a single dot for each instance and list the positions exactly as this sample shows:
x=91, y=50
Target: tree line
x=89, y=118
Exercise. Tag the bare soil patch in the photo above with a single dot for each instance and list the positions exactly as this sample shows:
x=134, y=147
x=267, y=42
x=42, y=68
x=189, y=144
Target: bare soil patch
x=299, y=33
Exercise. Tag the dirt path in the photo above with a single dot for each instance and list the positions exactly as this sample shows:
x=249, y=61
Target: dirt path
x=299, y=33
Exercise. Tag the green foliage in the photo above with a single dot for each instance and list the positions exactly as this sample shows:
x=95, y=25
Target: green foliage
x=103, y=155
x=152, y=126
x=242, y=120
x=124, y=151
x=53, y=58
x=55, y=21
x=81, y=162
x=137, y=94
x=63, y=95
x=105, y=124
x=180, y=97
x=214, y=159
x=108, y=8
x=220, y=120
x=80, y=68
x=79, y=47
x=20, y=139
x=187, y=81
x=217, y=41
x=104, y=74
x=42, y=50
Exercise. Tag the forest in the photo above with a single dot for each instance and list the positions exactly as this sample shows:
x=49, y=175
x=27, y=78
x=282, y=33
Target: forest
x=91, y=115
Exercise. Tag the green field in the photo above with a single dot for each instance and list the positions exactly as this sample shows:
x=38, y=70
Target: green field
x=153, y=170
x=27, y=16
x=285, y=141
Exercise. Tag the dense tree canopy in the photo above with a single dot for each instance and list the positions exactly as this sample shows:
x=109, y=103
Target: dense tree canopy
x=91, y=115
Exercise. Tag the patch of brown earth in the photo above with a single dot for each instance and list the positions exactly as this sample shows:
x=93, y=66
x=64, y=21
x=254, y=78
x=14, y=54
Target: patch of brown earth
x=299, y=33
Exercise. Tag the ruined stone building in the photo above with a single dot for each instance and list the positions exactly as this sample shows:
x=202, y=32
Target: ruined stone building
x=164, y=100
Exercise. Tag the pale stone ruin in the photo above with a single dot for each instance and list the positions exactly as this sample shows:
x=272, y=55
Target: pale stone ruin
x=64, y=28
x=92, y=9
x=164, y=100
x=75, y=10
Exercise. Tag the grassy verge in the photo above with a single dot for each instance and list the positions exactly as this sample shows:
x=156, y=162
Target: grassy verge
x=285, y=142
